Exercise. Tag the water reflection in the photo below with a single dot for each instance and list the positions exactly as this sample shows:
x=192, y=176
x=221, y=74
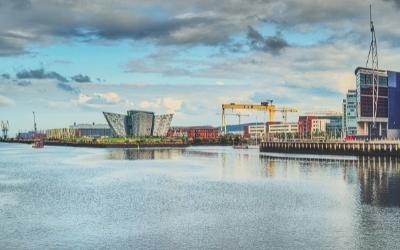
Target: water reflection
x=378, y=178
x=145, y=154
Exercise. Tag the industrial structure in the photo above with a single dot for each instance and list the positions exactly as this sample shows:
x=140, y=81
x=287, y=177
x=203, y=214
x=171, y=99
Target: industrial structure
x=5, y=125
x=266, y=106
x=137, y=123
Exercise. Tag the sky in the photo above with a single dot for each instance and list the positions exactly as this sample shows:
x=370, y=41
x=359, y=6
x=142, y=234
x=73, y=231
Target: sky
x=70, y=60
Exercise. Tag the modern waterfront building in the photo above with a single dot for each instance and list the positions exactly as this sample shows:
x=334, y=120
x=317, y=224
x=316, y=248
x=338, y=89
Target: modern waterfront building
x=137, y=123
x=349, y=124
x=365, y=108
x=327, y=123
x=256, y=131
x=393, y=105
x=282, y=128
x=387, y=119
x=162, y=123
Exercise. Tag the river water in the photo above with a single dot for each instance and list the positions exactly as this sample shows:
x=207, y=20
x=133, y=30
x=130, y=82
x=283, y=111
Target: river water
x=195, y=198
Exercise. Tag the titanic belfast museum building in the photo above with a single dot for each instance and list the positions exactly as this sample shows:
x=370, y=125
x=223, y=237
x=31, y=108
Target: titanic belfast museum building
x=137, y=123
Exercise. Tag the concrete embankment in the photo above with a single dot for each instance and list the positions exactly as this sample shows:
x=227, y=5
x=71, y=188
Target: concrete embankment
x=357, y=148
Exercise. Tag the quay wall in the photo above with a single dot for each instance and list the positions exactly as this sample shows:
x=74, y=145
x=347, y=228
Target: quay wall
x=379, y=148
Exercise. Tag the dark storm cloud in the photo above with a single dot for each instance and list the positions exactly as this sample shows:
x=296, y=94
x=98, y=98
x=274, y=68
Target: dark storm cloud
x=67, y=87
x=40, y=74
x=273, y=44
x=396, y=2
x=171, y=22
x=15, y=4
x=81, y=78
x=24, y=83
x=10, y=47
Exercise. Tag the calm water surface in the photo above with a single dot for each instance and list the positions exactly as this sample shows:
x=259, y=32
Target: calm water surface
x=195, y=198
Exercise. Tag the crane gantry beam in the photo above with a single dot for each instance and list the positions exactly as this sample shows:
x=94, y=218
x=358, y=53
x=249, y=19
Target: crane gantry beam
x=267, y=106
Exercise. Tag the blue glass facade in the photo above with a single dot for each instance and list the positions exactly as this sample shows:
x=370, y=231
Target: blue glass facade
x=394, y=100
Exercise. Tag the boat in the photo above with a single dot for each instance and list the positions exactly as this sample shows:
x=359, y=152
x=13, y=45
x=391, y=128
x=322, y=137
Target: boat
x=38, y=143
x=240, y=147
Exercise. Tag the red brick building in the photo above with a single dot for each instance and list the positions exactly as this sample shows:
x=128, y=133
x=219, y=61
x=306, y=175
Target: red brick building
x=200, y=132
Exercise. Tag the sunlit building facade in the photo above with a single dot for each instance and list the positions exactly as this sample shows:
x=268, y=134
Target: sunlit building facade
x=138, y=123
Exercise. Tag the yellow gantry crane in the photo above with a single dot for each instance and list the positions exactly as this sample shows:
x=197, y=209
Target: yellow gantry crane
x=266, y=106
x=238, y=115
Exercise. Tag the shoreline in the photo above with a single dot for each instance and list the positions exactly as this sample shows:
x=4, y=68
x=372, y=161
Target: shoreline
x=116, y=145
x=103, y=145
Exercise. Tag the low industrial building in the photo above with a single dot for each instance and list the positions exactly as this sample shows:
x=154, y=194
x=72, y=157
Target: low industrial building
x=255, y=131
x=137, y=123
x=196, y=132
x=282, y=128
x=93, y=130
x=61, y=133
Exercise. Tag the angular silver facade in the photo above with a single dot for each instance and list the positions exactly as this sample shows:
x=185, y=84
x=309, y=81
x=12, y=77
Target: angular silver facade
x=140, y=123
x=162, y=124
x=117, y=123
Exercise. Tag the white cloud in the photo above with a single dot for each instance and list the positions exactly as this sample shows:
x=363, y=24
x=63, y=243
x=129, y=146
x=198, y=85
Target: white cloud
x=172, y=105
x=6, y=102
x=166, y=104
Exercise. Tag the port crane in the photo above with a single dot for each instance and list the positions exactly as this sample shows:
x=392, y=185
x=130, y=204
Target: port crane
x=238, y=115
x=4, y=128
x=38, y=141
x=266, y=106
x=34, y=122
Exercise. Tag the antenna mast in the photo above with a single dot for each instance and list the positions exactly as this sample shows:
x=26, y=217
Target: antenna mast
x=372, y=62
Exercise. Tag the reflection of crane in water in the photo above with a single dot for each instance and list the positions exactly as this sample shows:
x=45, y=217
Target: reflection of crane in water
x=270, y=168
x=4, y=128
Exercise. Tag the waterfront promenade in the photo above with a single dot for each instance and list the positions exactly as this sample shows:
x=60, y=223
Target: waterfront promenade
x=356, y=148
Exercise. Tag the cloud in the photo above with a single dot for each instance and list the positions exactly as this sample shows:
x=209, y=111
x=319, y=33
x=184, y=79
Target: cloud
x=396, y=2
x=100, y=101
x=16, y=4
x=172, y=105
x=5, y=76
x=172, y=22
x=40, y=74
x=67, y=87
x=99, y=98
x=6, y=101
x=166, y=104
x=81, y=78
x=273, y=44
x=24, y=83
